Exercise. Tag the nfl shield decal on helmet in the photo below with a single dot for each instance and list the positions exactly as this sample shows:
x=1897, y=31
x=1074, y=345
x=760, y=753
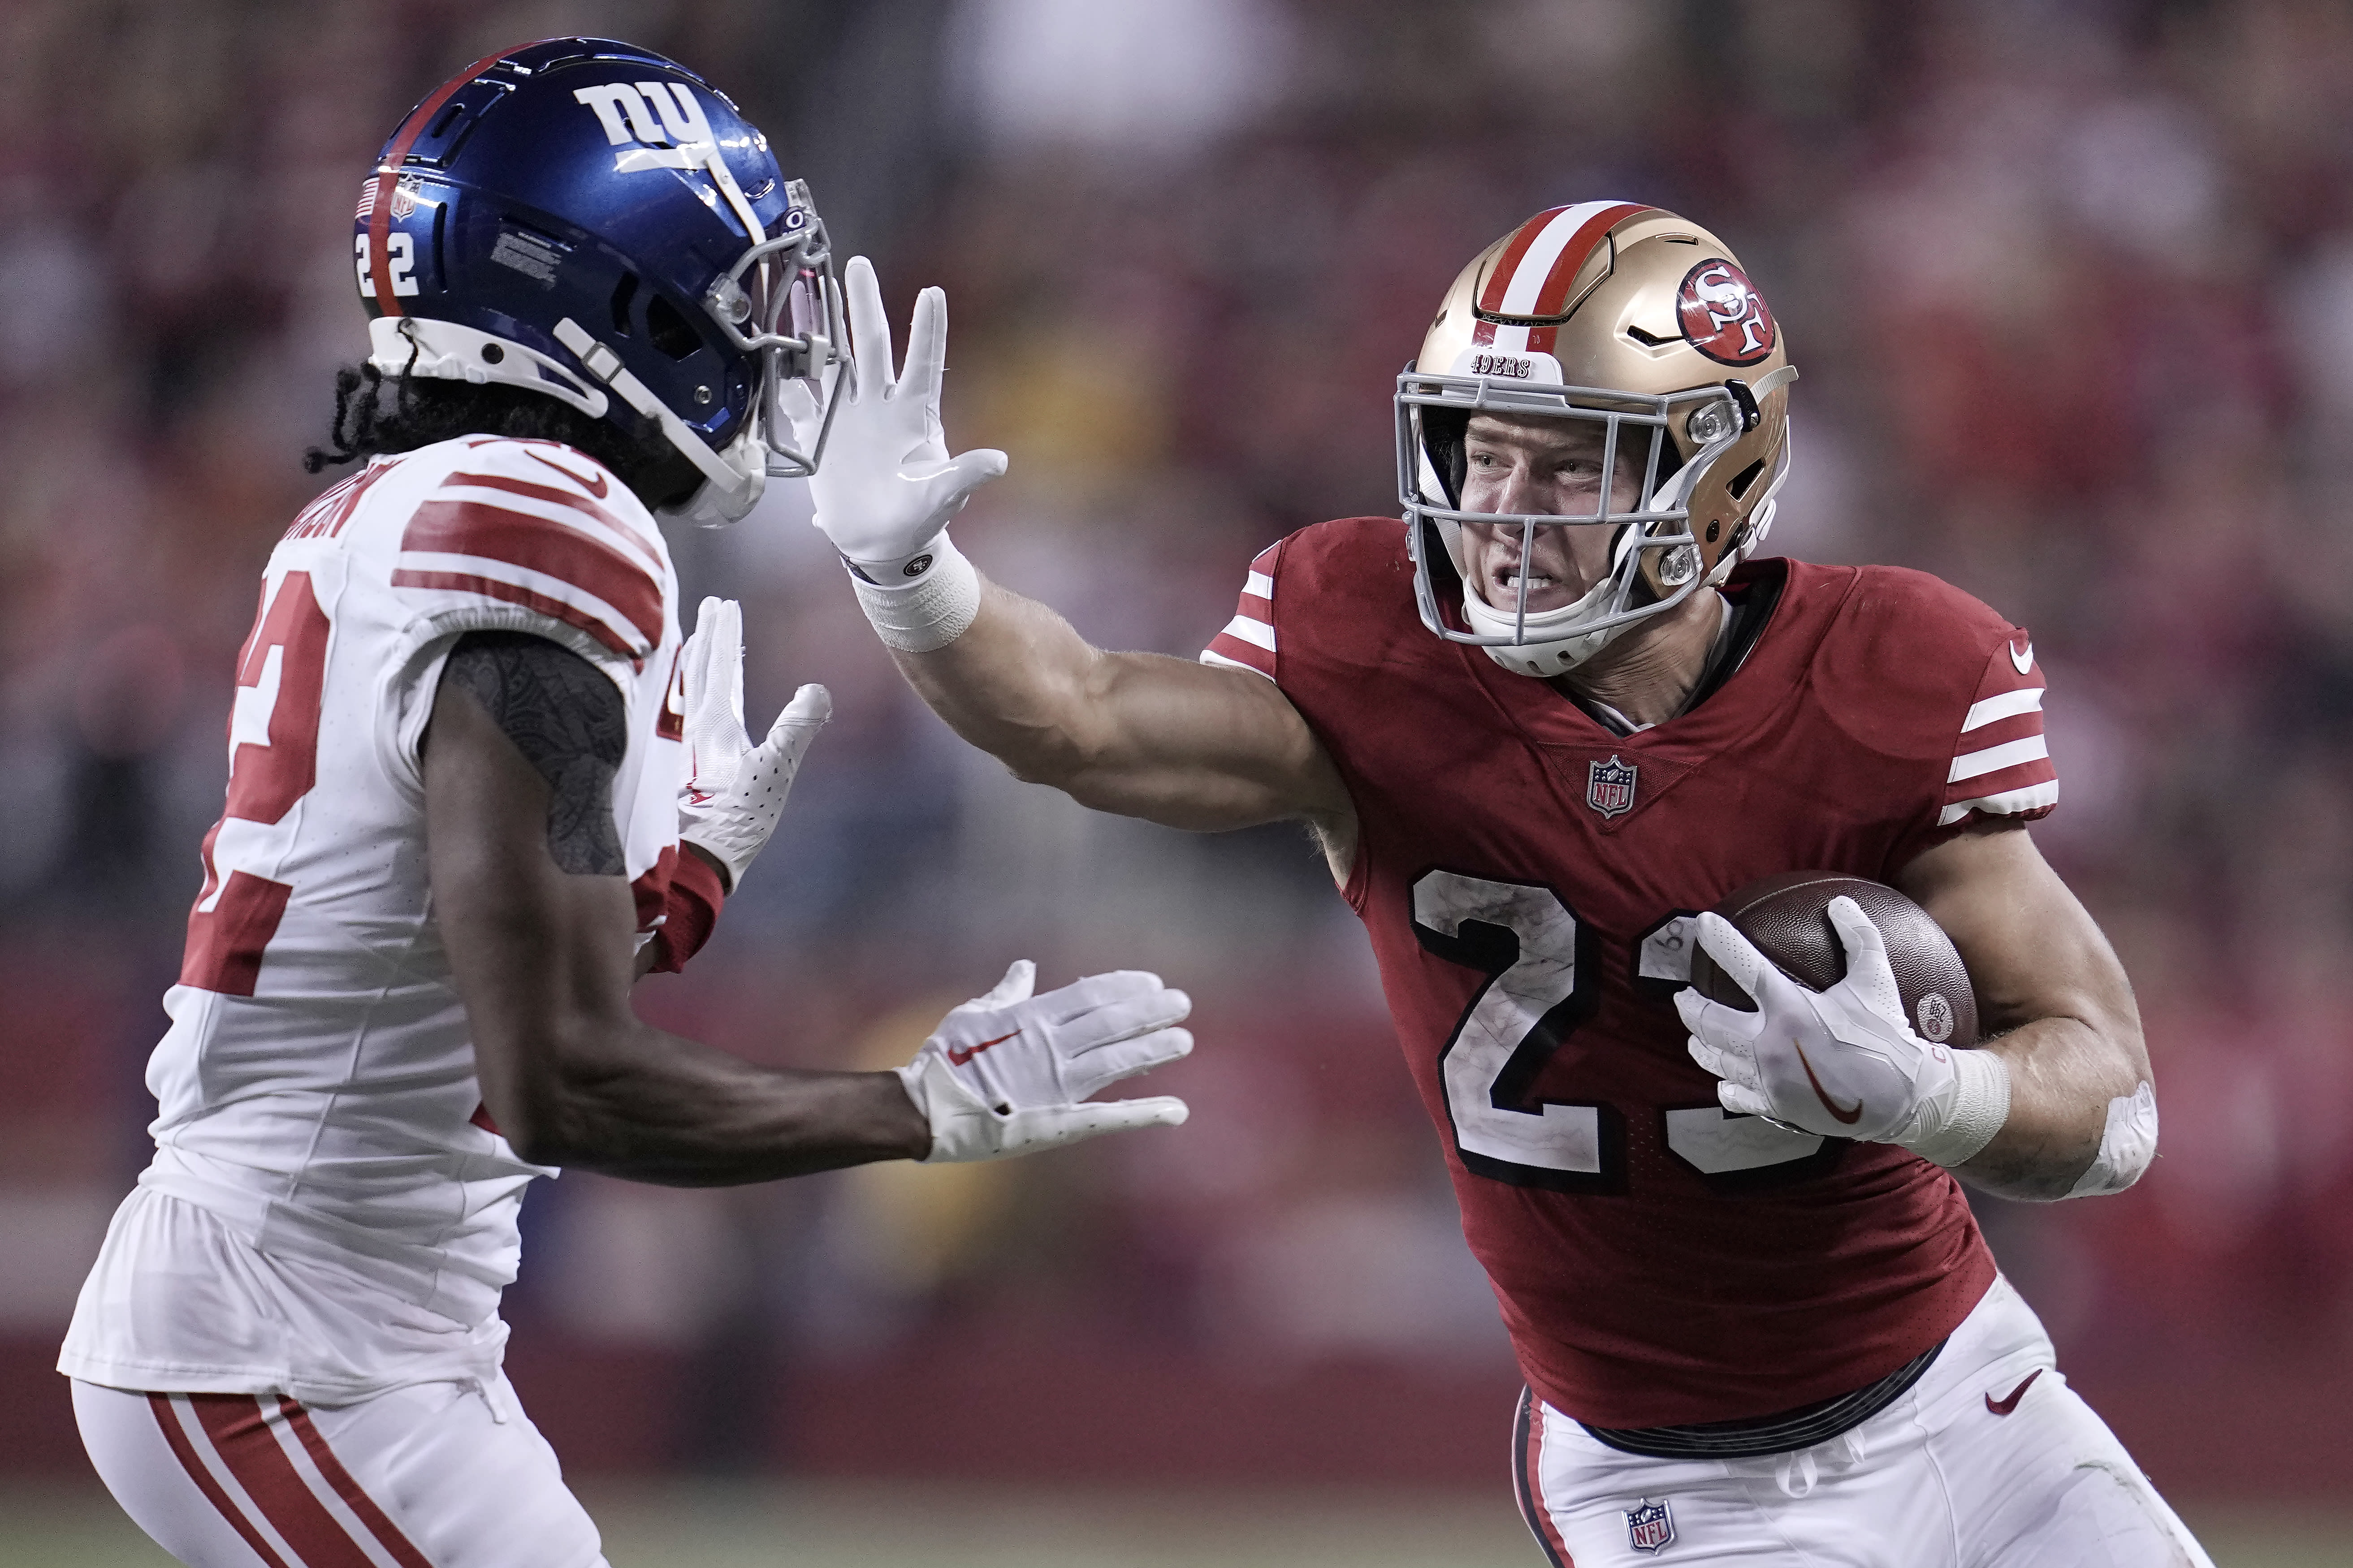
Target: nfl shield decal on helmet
x=1648, y=1525
x=1609, y=788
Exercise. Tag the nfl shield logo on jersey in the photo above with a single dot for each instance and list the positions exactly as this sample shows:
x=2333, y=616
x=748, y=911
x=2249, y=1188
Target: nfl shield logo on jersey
x=1648, y=1525
x=1609, y=788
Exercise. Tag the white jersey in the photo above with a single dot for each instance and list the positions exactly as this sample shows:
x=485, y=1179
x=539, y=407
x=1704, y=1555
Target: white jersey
x=317, y=1087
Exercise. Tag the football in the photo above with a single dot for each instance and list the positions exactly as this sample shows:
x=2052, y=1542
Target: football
x=1787, y=918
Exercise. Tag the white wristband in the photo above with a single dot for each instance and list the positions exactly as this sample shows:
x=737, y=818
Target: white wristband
x=2128, y=1144
x=1952, y=1128
x=929, y=610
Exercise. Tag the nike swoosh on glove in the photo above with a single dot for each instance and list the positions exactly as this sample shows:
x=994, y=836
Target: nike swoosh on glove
x=1010, y=1072
x=887, y=486
x=734, y=791
x=1842, y=1062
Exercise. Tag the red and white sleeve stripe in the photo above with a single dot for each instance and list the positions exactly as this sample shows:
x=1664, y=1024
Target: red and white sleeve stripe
x=2001, y=763
x=262, y=1463
x=1247, y=641
x=545, y=540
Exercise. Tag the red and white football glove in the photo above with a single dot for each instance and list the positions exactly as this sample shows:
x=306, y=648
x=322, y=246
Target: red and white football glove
x=1844, y=1062
x=1008, y=1072
x=735, y=791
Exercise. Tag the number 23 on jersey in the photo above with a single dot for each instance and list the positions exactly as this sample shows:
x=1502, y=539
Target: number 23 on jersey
x=1542, y=986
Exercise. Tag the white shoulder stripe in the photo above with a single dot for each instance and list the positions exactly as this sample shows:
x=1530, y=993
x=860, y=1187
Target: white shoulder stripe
x=1218, y=659
x=2010, y=803
x=2008, y=705
x=1252, y=630
x=1259, y=583
x=1993, y=759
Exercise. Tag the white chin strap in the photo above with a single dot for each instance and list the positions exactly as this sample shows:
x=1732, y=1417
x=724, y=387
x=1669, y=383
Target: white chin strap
x=1539, y=654
x=733, y=479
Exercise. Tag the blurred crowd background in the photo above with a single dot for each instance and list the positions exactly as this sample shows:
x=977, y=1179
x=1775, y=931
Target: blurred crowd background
x=2071, y=282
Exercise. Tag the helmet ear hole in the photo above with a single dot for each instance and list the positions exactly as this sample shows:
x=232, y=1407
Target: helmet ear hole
x=1744, y=478
x=669, y=331
x=624, y=292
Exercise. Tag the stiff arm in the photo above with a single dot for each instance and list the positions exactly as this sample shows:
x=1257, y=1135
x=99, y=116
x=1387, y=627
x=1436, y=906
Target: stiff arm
x=2053, y=1000
x=1139, y=734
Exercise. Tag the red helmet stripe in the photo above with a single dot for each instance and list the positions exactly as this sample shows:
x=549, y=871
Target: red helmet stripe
x=1534, y=274
x=1491, y=298
x=1554, y=296
x=387, y=174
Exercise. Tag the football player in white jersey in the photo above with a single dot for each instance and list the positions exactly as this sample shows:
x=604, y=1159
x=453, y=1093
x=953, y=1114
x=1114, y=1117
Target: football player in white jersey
x=479, y=784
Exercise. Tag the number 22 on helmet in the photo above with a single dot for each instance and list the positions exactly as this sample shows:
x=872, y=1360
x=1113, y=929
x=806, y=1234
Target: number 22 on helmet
x=594, y=221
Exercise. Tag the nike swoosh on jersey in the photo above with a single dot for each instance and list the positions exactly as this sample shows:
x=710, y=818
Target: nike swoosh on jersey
x=595, y=486
x=1848, y=1116
x=960, y=1055
x=2004, y=1407
x=2022, y=662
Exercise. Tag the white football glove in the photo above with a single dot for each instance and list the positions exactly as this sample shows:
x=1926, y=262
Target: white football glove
x=734, y=791
x=1843, y=1063
x=1007, y=1073
x=886, y=486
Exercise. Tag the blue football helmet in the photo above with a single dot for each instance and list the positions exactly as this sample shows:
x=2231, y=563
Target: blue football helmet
x=592, y=221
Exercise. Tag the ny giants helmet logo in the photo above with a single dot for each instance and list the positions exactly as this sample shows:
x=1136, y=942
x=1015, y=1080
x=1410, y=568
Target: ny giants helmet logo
x=1722, y=314
x=664, y=116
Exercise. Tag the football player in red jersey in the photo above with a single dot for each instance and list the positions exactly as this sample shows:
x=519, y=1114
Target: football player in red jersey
x=1538, y=727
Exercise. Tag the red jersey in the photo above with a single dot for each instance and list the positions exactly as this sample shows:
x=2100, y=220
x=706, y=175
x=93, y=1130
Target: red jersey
x=1528, y=876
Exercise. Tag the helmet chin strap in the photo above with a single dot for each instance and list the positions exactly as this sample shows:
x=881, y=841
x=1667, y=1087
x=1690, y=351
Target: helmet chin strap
x=1539, y=655
x=735, y=478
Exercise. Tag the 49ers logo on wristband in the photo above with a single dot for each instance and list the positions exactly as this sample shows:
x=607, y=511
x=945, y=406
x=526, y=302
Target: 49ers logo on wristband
x=1722, y=314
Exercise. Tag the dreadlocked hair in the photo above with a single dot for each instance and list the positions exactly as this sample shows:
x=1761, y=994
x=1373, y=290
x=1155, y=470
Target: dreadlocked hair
x=422, y=411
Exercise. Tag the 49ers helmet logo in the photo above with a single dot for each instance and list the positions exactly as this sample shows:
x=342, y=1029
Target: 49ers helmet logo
x=1722, y=314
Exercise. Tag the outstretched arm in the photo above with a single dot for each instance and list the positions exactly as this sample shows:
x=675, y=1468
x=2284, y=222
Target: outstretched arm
x=529, y=889
x=1191, y=746
x=530, y=894
x=1140, y=734
x=2057, y=1007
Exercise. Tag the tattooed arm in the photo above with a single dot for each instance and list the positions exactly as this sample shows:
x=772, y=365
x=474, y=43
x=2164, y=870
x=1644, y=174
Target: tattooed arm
x=535, y=909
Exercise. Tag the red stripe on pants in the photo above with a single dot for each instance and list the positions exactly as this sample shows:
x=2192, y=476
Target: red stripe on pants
x=240, y=1433
x=379, y=1524
x=1531, y=1467
x=169, y=1420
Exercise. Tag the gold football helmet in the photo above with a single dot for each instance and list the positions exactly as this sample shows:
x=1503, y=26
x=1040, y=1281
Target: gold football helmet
x=1632, y=319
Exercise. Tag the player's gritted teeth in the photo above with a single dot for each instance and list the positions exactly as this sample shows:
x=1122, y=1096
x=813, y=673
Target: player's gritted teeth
x=1551, y=569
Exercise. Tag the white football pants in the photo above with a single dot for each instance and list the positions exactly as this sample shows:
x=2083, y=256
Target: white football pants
x=437, y=1475
x=1989, y=1461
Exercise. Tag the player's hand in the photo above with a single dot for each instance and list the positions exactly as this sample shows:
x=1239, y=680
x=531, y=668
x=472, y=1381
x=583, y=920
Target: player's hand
x=886, y=486
x=734, y=791
x=1010, y=1073
x=1842, y=1062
